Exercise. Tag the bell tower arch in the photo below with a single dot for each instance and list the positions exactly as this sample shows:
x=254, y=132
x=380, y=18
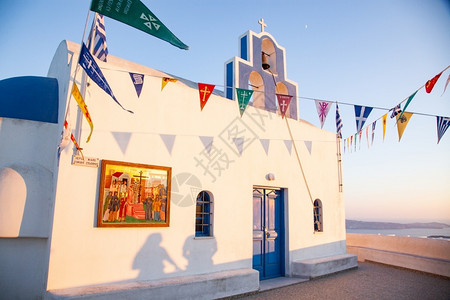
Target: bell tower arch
x=261, y=67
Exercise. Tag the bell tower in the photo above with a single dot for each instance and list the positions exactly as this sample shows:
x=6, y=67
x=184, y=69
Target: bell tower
x=261, y=67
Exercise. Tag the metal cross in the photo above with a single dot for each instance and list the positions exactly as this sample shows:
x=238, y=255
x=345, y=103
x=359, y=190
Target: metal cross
x=261, y=22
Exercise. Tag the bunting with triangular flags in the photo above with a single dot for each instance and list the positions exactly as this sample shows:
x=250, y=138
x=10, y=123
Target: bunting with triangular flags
x=360, y=138
x=138, y=82
x=384, y=125
x=361, y=115
x=169, y=141
x=396, y=110
x=448, y=80
x=430, y=83
x=402, y=121
x=406, y=104
x=166, y=80
x=351, y=143
x=367, y=136
x=283, y=103
x=205, y=91
x=265, y=143
x=207, y=142
x=239, y=142
x=288, y=144
x=322, y=110
x=373, y=130
x=308, y=145
x=442, y=125
x=243, y=97
x=122, y=139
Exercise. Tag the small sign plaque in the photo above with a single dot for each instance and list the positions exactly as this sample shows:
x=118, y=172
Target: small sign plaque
x=92, y=162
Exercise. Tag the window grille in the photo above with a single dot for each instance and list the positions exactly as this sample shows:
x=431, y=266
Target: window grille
x=318, y=218
x=203, y=215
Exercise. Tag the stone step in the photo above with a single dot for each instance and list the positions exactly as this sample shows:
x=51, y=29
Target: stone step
x=312, y=268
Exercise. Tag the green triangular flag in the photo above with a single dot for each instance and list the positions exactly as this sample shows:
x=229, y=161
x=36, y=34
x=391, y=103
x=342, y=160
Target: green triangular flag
x=407, y=103
x=243, y=98
x=137, y=15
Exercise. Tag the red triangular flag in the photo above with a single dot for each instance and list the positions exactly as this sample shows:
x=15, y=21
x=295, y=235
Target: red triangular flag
x=205, y=91
x=283, y=103
x=430, y=83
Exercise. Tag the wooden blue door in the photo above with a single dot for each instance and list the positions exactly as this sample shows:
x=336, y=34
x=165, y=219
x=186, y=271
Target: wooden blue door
x=268, y=232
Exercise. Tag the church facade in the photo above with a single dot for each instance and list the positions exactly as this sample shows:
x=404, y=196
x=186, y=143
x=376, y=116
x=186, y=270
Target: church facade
x=172, y=196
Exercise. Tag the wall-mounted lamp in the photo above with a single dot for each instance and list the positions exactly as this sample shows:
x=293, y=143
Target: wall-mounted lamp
x=270, y=176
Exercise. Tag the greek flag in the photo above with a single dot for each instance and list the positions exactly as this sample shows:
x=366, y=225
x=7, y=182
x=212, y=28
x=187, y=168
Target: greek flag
x=339, y=123
x=87, y=62
x=96, y=42
x=442, y=125
x=395, y=111
x=361, y=115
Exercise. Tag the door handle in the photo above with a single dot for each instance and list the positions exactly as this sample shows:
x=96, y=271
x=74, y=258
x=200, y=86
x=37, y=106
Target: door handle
x=266, y=232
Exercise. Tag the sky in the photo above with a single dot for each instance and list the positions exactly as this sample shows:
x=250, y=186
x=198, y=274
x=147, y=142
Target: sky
x=370, y=53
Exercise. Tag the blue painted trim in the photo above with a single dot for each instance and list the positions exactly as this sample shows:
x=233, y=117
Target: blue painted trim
x=244, y=48
x=229, y=87
x=29, y=98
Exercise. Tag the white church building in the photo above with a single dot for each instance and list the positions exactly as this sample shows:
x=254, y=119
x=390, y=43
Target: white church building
x=171, y=201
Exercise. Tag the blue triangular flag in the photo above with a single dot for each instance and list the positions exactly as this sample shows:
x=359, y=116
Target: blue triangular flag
x=88, y=63
x=138, y=81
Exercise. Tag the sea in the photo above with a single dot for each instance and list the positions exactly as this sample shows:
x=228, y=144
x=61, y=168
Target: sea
x=443, y=234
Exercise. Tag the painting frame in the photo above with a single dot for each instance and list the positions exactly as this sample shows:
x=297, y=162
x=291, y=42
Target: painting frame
x=133, y=195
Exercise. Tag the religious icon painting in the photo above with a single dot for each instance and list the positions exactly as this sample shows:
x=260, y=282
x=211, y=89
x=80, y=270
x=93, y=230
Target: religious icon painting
x=133, y=195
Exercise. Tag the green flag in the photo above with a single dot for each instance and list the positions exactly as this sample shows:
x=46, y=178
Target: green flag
x=407, y=103
x=137, y=15
x=243, y=98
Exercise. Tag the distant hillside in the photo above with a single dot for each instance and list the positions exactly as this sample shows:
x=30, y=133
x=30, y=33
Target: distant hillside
x=352, y=224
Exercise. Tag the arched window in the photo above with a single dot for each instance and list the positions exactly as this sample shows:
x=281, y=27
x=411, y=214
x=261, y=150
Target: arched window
x=268, y=49
x=204, y=215
x=256, y=84
x=318, y=217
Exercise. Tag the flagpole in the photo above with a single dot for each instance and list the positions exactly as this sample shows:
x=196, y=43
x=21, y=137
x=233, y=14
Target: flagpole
x=84, y=82
x=339, y=162
x=76, y=149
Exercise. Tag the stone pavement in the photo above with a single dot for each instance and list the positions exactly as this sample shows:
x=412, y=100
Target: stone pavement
x=369, y=281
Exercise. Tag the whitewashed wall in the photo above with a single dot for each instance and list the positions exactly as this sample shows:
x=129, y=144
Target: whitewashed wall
x=82, y=254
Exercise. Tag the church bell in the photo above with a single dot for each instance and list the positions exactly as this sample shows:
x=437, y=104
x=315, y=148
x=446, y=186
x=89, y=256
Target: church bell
x=265, y=64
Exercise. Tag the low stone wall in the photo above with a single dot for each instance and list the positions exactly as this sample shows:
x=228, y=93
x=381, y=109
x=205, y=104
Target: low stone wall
x=208, y=286
x=426, y=255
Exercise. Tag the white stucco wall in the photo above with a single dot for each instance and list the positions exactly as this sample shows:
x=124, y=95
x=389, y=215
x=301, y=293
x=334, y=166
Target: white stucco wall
x=82, y=254
x=27, y=159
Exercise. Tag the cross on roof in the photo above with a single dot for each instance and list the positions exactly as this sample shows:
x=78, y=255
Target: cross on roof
x=261, y=22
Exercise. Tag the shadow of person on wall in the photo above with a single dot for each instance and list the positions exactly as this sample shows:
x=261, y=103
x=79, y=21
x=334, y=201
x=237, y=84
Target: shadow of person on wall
x=199, y=253
x=151, y=258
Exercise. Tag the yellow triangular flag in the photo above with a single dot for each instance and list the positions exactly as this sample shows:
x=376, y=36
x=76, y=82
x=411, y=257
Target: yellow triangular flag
x=77, y=96
x=402, y=122
x=384, y=126
x=165, y=80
